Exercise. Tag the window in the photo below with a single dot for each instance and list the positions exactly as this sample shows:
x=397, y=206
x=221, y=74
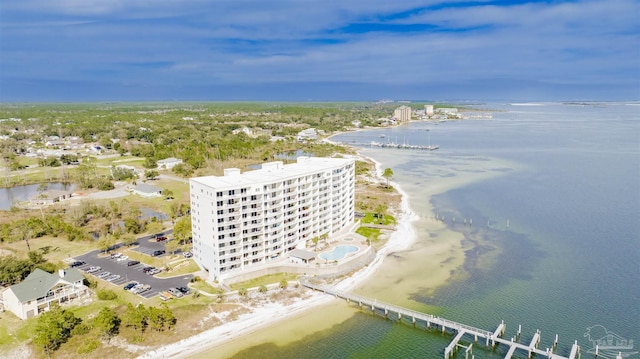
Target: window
x=220, y=203
x=232, y=192
x=220, y=211
x=219, y=194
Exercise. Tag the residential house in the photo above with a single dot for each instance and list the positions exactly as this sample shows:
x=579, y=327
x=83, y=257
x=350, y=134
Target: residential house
x=169, y=163
x=147, y=190
x=40, y=290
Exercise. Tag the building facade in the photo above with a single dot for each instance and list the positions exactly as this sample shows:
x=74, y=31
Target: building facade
x=402, y=114
x=36, y=293
x=245, y=220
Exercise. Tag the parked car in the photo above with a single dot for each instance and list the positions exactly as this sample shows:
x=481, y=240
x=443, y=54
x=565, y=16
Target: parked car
x=187, y=254
x=103, y=274
x=122, y=258
x=132, y=263
x=184, y=290
x=161, y=238
x=130, y=285
x=93, y=269
x=147, y=269
x=144, y=288
x=157, y=253
x=154, y=271
x=176, y=293
x=77, y=264
x=113, y=277
x=115, y=255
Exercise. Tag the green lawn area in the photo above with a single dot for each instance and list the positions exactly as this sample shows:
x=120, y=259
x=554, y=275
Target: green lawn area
x=370, y=217
x=264, y=280
x=370, y=233
x=206, y=287
x=183, y=267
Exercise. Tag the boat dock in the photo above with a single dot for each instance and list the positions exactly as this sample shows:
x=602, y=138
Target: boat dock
x=402, y=146
x=427, y=321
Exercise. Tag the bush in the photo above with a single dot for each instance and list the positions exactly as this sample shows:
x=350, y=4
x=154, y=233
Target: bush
x=242, y=291
x=106, y=294
x=80, y=329
x=89, y=346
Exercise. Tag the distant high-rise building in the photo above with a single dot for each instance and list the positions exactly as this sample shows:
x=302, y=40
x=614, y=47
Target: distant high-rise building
x=402, y=113
x=428, y=110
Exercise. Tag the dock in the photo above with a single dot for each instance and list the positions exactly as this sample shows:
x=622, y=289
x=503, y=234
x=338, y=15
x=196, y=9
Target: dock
x=402, y=146
x=428, y=321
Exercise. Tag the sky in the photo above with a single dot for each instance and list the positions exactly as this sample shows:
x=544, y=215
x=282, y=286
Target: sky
x=318, y=50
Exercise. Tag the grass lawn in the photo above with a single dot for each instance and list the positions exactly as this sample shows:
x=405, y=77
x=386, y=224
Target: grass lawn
x=183, y=267
x=56, y=248
x=264, y=280
x=370, y=233
x=370, y=217
x=206, y=287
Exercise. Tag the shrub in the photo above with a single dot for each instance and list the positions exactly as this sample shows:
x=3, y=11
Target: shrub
x=88, y=346
x=242, y=291
x=106, y=294
x=80, y=329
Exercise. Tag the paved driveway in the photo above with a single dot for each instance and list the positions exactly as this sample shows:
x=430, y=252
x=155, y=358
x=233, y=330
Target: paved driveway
x=133, y=273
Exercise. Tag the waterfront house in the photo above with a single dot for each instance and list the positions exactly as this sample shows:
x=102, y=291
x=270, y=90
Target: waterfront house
x=147, y=190
x=50, y=197
x=40, y=289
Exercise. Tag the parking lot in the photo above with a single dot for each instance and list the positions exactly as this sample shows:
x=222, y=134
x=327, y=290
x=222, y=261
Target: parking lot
x=130, y=273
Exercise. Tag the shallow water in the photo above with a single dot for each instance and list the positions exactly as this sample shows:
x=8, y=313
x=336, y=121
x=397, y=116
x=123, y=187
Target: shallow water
x=554, y=195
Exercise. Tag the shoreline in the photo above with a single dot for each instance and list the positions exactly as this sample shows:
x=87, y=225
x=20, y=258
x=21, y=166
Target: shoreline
x=227, y=335
x=268, y=315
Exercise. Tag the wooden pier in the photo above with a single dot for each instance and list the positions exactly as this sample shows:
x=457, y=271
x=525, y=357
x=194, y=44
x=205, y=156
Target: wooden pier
x=491, y=338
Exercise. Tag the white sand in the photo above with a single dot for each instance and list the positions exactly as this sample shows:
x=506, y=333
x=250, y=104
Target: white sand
x=401, y=239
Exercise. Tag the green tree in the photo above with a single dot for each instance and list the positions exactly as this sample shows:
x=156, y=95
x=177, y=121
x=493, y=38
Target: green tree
x=381, y=209
x=167, y=193
x=284, y=284
x=182, y=230
x=315, y=241
x=135, y=317
x=172, y=246
x=149, y=162
x=106, y=323
x=151, y=174
x=388, y=175
x=54, y=328
x=13, y=270
x=242, y=291
x=262, y=289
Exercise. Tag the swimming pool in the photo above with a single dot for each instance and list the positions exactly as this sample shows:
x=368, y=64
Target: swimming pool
x=338, y=252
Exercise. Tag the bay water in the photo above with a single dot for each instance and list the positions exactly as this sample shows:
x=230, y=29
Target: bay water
x=546, y=201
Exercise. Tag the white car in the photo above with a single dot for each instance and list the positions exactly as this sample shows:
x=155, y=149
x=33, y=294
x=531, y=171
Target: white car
x=93, y=269
x=103, y=274
x=122, y=258
x=112, y=278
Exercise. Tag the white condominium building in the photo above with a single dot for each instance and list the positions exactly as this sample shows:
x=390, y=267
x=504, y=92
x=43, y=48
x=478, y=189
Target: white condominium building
x=241, y=220
x=402, y=113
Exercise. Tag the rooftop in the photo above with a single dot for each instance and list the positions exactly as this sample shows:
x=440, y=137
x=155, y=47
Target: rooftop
x=271, y=171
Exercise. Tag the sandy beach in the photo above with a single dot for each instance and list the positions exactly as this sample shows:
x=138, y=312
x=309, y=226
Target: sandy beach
x=267, y=315
x=444, y=252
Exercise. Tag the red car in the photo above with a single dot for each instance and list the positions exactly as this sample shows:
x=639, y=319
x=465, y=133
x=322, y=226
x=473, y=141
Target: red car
x=160, y=239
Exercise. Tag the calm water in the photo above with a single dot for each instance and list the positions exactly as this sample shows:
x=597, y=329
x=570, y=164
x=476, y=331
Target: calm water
x=9, y=196
x=565, y=178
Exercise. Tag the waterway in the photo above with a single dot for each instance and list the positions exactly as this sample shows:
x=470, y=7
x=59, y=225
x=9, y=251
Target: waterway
x=553, y=191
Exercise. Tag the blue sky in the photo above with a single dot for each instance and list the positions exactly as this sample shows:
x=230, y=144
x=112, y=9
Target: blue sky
x=133, y=50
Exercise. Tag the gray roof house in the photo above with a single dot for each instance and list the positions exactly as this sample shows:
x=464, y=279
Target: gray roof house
x=35, y=294
x=169, y=163
x=147, y=190
x=301, y=256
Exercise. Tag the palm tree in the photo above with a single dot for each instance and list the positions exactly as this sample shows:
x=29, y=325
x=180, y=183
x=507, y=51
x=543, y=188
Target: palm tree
x=388, y=174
